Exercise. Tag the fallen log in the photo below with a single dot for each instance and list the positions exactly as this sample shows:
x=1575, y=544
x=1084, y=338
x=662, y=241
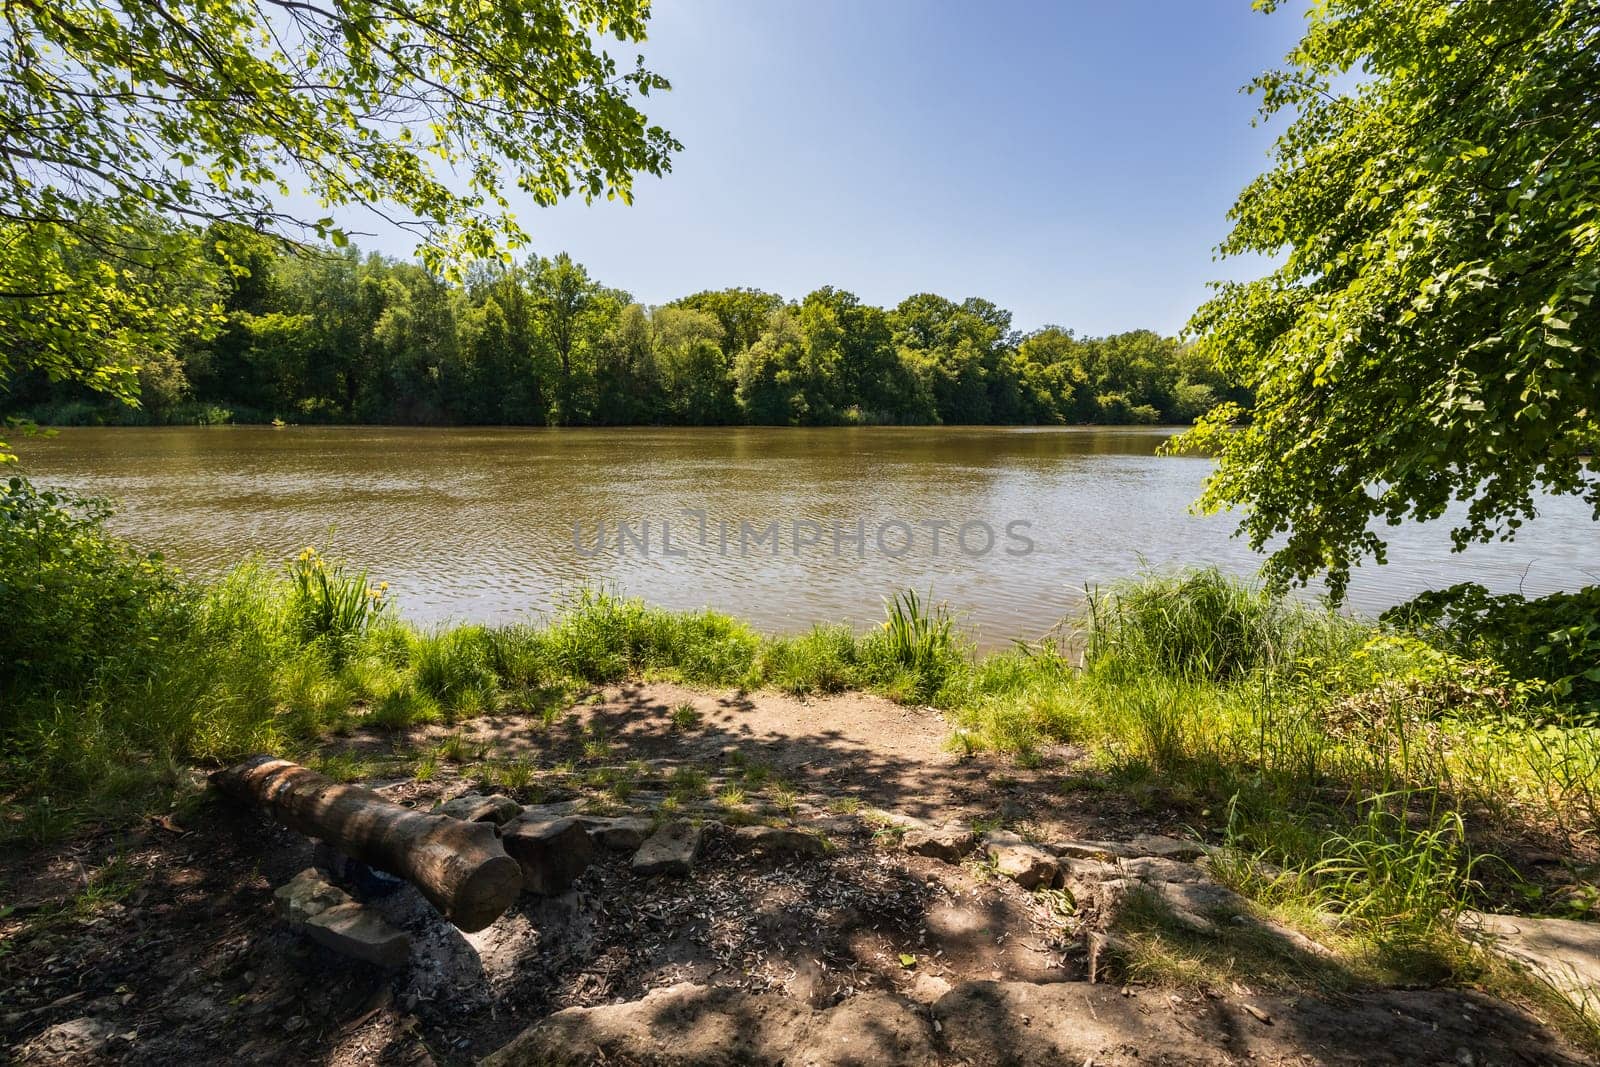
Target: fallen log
x=460, y=866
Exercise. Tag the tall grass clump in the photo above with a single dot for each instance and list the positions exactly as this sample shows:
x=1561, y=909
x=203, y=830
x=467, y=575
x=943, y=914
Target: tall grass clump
x=827, y=659
x=1201, y=624
x=599, y=636
x=453, y=667
x=915, y=652
x=331, y=604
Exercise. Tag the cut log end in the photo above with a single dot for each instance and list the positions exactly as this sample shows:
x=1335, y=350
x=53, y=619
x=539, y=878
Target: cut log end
x=486, y=893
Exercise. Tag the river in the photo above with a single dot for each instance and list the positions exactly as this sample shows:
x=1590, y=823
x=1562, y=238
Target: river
x=784, y=527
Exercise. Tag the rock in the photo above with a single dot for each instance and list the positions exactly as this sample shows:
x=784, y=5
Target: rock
x=1564, y=952
x=326, y=914
x=1198, y=905
x=552, y=852
x=306, y=896
x=670, y=850
x=1010, y=1024
x=547, y=812
x=351, y=930
x=779, y=840
x=1139, y=846
x=836, y=825
x=1156, y=869
x=722, y=1026
x=948, y=842
x=1090, y=850
x=928, y=988
x=620, y=834
x=901, y=821
x=1083, y=877
x=989, y=1024
x=474, y=807
x=1167, y=848
x=73, y=1040
x=1030, y=867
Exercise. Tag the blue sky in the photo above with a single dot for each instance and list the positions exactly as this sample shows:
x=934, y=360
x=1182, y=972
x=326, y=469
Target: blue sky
x=1072, y=161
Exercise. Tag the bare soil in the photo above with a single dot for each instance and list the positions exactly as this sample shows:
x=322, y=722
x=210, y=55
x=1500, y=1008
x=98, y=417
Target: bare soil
x=173, y=955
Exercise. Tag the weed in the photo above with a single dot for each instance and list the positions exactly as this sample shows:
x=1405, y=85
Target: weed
x=342, y=766
x=456, y=749
x=685, y=717
x=687, y=782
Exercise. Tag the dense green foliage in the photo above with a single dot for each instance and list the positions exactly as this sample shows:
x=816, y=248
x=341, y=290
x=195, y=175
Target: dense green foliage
x=336, y=337
x=1431, y=334
x=429, y=113
x=1552, y=642
x=75, y=601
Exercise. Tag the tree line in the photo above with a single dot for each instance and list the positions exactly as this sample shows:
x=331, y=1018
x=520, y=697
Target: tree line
x=335, y=336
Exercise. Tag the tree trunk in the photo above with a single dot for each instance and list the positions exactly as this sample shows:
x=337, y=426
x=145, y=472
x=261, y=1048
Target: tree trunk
x=459, y=866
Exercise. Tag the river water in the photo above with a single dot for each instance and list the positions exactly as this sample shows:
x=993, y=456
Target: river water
x=784, y=527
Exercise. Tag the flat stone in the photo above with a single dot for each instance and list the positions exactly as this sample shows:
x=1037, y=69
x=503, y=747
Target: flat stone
x=723, y=1026
x=552, y=852
x=475, y=807
x=990, y=1024
x=307, y=895
x=1007, y=1024
x=351, y=930
x=1198, y=905
x=1564, y=952
x=779, y=840
x=948, y=842
x=1027, y=865
x=1167, y=848
x=928, y=988
x=559, y=809
x=901, y=821
x=670, y=850
x=1090, y=850
x=1138, y=846
x=621, y=834
x=1156, y=869
x=70, y=1041
x=1083, y=877
x=327, y=915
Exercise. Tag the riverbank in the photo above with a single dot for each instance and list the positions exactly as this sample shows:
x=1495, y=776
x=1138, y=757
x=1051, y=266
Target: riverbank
x=1360, y=784
x=158, y=942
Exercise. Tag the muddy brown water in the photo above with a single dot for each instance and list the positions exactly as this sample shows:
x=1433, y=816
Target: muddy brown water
x=785, y=527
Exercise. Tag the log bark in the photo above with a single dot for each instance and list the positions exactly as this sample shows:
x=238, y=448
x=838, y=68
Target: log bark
x=461, y=867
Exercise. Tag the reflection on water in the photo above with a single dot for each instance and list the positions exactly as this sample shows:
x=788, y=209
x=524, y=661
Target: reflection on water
x=475, y=523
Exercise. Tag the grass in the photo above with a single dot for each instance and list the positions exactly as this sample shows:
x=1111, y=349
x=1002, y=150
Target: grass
x=685, y=717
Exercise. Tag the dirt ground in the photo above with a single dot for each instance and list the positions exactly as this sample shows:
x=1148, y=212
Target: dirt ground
x=161, y=946
x=849, y=744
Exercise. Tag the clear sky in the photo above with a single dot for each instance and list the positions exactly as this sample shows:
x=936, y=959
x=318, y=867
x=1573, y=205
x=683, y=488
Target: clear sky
x=1071, y=160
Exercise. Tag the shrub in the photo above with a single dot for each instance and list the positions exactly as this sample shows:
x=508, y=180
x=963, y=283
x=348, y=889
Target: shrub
x=825, y=660
x=1552, y=641
x=79, y=604
x=601, y=637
